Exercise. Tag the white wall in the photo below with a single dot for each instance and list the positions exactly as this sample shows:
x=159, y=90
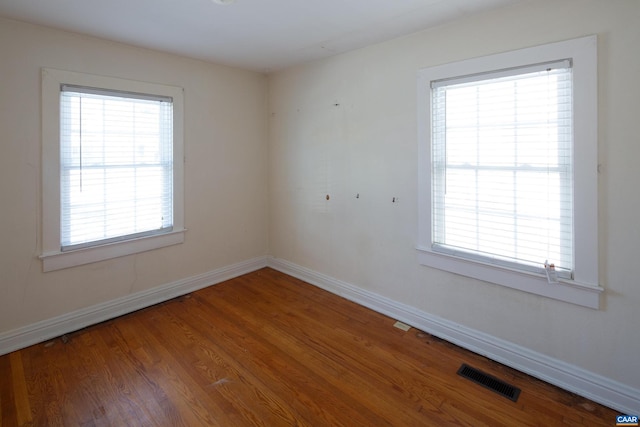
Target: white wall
x=347, y=126
x=225, y=173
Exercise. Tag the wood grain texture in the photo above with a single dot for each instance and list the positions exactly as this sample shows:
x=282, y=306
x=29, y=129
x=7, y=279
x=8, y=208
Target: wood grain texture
x=266, y=349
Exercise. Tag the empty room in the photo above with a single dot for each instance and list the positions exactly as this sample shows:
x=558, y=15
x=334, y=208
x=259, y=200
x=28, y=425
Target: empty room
x=249, y=212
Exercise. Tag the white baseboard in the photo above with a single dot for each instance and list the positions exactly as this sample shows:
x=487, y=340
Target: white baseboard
x=69, y=322
x=597, y=388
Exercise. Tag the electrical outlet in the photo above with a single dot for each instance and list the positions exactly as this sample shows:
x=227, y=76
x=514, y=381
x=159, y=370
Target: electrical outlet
x=402, y=326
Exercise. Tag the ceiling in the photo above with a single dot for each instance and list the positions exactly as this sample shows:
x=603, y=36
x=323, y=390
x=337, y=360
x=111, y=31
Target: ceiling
x=260, y=35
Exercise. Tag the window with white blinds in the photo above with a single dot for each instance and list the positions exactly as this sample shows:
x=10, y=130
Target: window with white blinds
x=502, y=167
x=508, y=169
x=112, y=167
x=116, y=166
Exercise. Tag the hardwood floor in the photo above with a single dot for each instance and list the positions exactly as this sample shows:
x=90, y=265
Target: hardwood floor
x=267, y=349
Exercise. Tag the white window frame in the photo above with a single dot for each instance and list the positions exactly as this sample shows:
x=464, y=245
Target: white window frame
x=52, y=256
x=583, y=289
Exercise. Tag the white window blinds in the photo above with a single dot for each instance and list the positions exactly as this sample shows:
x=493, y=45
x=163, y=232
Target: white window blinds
x=116, y=166
x=502, y=167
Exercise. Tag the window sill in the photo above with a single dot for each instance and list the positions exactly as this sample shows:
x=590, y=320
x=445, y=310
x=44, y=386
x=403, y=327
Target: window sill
x=571, y=291
x=57, y=260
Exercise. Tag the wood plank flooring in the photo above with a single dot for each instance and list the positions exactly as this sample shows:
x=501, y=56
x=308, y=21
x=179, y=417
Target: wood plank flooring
x=266, y=349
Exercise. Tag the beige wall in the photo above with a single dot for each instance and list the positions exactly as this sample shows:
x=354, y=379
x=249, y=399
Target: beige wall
x=225, y=172
x=367, y=145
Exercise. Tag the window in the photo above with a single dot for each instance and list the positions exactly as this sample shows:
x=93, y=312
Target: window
x=112, y=168
x=509, y=169
x=501, y=167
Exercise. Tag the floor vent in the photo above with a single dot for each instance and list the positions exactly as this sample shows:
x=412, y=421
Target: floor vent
x=490, y=382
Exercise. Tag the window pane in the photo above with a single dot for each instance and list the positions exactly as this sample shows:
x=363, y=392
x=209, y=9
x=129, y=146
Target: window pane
x=116, y=167
x=502, y=161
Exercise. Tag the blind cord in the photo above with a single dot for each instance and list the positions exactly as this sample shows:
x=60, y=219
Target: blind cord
x=80, y=100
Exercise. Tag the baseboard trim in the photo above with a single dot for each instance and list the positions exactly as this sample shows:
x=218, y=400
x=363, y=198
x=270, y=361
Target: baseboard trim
x=595, y=387
x=66, y=323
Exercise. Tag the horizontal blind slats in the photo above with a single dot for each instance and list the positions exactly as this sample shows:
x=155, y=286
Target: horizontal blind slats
x=502, y=167
x=116, y=166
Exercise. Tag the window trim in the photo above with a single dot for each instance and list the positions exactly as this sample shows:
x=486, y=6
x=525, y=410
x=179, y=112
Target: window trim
x=52, y=257
x=583, y=289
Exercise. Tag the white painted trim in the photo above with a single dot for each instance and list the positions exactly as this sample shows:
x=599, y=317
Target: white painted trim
x=565, y=290
x=60, y=325
x=58, y=260
x=52, y=257
x=584, y=289
x=600, y=389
